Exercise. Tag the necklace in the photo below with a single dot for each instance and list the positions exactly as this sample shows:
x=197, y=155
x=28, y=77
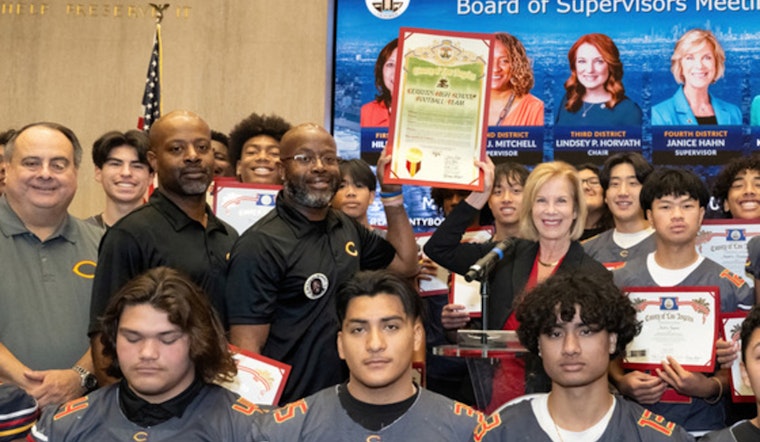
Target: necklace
x=548, y=264
x=587, y=109
x=506, y=109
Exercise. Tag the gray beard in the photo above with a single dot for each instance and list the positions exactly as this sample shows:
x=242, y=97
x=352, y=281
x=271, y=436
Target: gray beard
x=194, y=188
x=312, y=200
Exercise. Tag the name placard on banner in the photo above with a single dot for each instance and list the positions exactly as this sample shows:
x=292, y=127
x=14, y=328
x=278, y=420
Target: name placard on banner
x=587, y=144
x=703, y=145
x=523, y=145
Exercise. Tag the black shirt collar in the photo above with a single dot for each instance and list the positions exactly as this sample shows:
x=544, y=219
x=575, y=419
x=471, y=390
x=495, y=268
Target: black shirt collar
x=178, y=218
x=146, y=414
x=371, y=416
x=299, y=223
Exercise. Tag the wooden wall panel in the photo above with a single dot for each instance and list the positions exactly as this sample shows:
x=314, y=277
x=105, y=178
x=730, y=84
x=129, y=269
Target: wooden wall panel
x=84, y=65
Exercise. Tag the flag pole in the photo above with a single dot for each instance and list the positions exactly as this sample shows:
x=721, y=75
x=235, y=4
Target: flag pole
x=152, y=102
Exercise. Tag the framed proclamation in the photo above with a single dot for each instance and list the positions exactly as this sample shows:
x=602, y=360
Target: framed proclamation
x=438, y=121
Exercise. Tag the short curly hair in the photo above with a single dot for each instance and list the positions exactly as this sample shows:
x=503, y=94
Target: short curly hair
x=600, y=304
x=728, y=173
x=220, y=137
x=521, y=71
x=187, y=306
x=252, y=126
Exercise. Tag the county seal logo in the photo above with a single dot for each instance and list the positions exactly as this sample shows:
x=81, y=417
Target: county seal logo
x=387, y=9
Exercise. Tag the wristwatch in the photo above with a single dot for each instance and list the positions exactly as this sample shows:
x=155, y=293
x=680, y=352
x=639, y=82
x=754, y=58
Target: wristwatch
x=89, y=381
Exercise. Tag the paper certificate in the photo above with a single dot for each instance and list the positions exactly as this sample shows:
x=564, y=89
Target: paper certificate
x=732, y=327
x=725, y=241
x=468, y=293
x=439, y=117
x=680, y=322
x=259, y=379
x=242, y=204
x=439, y=284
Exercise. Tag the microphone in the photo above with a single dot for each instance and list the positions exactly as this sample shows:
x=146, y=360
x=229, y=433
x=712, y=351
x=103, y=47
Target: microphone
x=484, y=265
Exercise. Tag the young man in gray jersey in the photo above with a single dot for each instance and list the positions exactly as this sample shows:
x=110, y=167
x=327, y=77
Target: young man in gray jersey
x=575, y=322
x=674, y=201
x=622, y=177
x=381, y=327
x=167, y=344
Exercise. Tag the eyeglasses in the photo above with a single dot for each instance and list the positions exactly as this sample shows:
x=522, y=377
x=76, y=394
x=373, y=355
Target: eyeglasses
x=590, y=181
x=308, y=159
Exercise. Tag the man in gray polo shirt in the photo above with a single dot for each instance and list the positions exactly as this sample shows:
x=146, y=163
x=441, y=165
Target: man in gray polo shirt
x=48, y=261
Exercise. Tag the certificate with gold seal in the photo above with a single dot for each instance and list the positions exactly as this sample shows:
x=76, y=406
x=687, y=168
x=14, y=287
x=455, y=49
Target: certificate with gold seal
x=439, y=113
x=681, y=322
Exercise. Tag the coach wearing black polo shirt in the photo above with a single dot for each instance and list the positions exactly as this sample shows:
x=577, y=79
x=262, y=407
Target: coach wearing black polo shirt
x=285, y=270
x=175, y=229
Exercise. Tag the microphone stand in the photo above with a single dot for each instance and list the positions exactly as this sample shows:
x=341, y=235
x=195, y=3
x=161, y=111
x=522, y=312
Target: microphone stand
x=484, y=294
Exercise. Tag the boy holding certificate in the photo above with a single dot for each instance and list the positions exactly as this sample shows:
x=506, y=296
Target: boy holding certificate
x=674, y=201
x=746, y=430
x=576, y=322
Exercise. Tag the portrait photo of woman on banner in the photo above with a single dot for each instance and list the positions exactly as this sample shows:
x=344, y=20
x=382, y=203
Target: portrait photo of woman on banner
x=595, y=95
x=511, y=81
x=698, y=61
x=377, y=112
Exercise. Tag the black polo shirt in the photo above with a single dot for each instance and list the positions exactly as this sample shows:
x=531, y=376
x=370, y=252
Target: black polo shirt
x=284, y=271
x=160, y=234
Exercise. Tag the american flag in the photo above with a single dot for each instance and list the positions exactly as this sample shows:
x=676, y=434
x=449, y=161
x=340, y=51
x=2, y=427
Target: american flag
x=151, y=101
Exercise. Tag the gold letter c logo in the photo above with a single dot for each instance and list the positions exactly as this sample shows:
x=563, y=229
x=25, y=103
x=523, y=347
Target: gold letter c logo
x=85, y=269
x=351, y=249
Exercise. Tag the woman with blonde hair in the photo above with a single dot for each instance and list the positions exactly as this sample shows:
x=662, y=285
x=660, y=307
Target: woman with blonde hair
x=698, y=61
x=511, y=81
x=595, y=95
x=552, y=218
